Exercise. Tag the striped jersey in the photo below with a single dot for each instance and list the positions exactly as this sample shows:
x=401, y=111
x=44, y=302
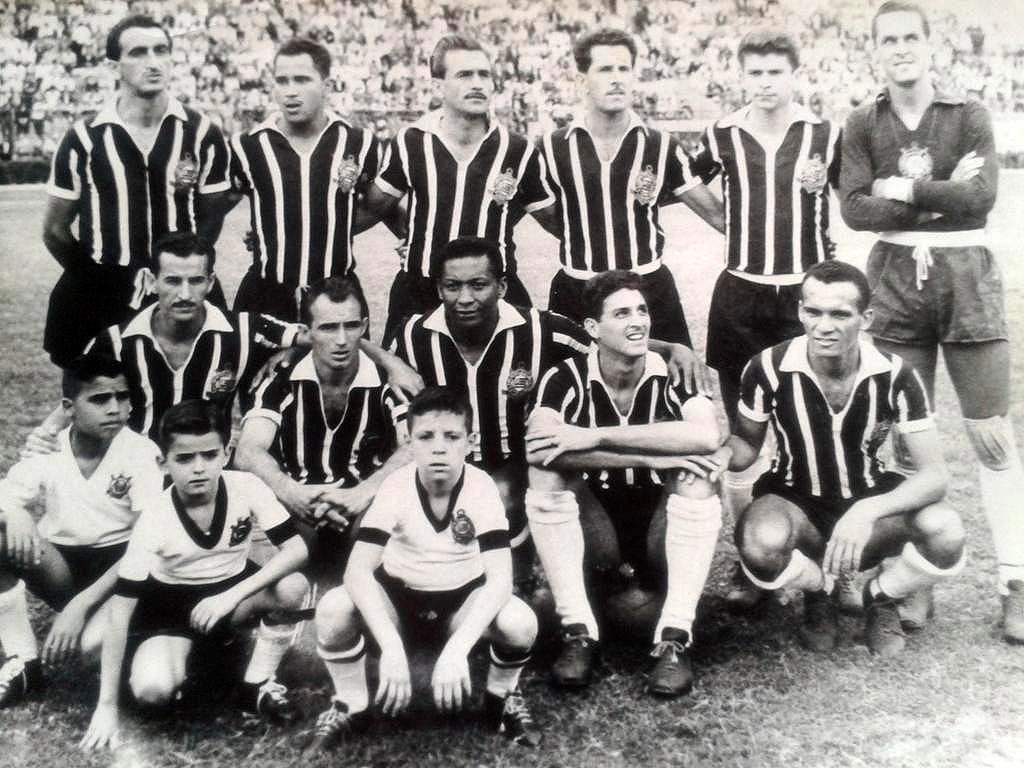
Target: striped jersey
x=575, y=390
x=609, y=210
x=302, y=205
x=820, y=452
x=776, y=202
x=126, y=198
x=484, y=196
x=223, y=354
x=500, y=384
x=308, y=448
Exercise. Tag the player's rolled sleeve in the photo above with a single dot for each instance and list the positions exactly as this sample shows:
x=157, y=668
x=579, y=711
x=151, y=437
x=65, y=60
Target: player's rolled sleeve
x=396, y=410
x=137, y=564
x=567, y=338
x=534, y=191
x=757, y=399
x=65, y=179
x=557, y=391
x=237, y=175
x=270, y=513
x=491, y=540
x=23, y=484
x=703, y=165
x=371, y=535
x=489, y=517
x=382, y=515
x=678, y=174
x=213, y=176
x=392, y=178
x=272, y=397
x=910, y=401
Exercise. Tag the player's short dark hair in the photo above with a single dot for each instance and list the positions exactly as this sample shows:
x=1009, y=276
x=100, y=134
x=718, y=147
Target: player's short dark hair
x=137, y=20
x=461, y=247
x=337, y=289
x=441, y=400
x=191, y=417
x=584, y=45
x=763, y=42
x=835, y=271
x=438, y=69
x=601, y=286
x=182, y=245
x=299, y=46
x=899, y=6
x=85, y=369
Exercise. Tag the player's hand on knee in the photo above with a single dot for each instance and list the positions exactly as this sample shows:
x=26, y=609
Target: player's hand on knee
x=65, y=634
x=41, y=441
x=103, y=729
x=23, y=546
x=395, y=688
x=209, y=611
x=849, y=537
x=450, y=681
x=968, y=167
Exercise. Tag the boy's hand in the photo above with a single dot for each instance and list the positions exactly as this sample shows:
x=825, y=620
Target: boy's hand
x=211, y=610
x=450, y=681
x=41, y=441
x=23, y=546
x=65, y=633
x=103, y=729
x=395, y=687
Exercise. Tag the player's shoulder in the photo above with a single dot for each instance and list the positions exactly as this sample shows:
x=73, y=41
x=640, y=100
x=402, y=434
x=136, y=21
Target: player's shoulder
x=401, y=481
x=477, y=478
x=238, y=483
x=131, y=444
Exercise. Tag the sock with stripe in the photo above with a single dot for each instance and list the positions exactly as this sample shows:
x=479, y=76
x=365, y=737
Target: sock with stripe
x=16, y=637
x=347, y=668
x=272, y=643
x=505, y=669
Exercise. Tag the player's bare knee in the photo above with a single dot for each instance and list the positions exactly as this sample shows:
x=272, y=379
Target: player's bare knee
x=939, y=534
x=336, y=619
x=764, y=537
x=515, y=626
x=290, y=591
x=153, y=686
x=992, y=440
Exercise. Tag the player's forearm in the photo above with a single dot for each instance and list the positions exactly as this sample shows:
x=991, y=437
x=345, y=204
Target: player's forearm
x=292, y=556
x=863, y=212
x=212, y=209
x=663, y=438
x=975, y=197
x=69, y=252
x=257, y=459
x=703, y=202
x=367, y=596
x=598, y=459
x=115, y=641
x=926, y=486
x=99, y=590
x=492, y=596
x=549, y=220
x=743, y=453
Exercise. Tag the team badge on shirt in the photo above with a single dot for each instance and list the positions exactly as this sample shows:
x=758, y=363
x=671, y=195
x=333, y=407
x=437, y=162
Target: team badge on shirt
x=462, y=528
x=222, y=384
x=813, y=175
x=119, y=486
x=504, y=188
x=519, y=383
x=915, y=163
x=878, y=436
x=186, y=173
x=348, y=174
x=645, y=190
x=240, y=530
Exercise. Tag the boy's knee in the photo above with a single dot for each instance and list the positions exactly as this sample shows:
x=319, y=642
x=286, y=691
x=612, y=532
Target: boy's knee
x=336, y=623
x=153, y=687
x=551, y=507
x=290, y=592
x=516, y=625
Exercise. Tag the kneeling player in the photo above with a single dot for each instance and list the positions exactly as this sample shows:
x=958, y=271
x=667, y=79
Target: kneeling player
x=90, y=491
x=431, y=564
x=828, y=506
x=186, y=576
x=614, y=416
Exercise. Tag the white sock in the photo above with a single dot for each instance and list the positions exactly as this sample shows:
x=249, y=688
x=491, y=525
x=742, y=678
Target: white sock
x=16, y=636
x=347, y=669
x=503, y=673
x=1001, y=496
x=738, y=487
x=272, y=642
x=555, y=527
x=691, y=534
x=800, y=573
x=910, y=572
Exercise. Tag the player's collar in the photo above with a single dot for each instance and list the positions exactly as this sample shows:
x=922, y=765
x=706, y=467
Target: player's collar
x=942, y=96
x=271, y=123
x=872, y=362
x=797, y=114
x=653, y=366
x=507, y=318
x=453, y=499
x=206, y=539
x=109, y=112
x=635, y=121
x=142, y=323
x=367, y=375
x=430, y=122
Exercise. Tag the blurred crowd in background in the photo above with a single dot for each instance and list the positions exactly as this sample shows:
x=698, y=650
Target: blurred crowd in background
x=52, y=67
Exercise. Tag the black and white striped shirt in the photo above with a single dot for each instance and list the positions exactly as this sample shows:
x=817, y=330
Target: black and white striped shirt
x=610, y=209
x=525, y=344
x=776, y=201
x=302, y=205
x=223, y=354
x=820, y=452
x=575, y=390
x=127, y=198
x=484, y=196
x=307, y=447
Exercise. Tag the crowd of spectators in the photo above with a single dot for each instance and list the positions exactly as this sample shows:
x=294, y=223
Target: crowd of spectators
x=52, y=69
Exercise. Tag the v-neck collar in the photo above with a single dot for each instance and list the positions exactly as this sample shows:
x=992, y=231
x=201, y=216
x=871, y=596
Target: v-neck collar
x=204, y=539
x=444, y=522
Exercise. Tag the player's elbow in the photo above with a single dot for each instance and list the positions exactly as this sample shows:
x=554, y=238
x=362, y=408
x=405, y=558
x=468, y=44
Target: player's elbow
x=852, y=209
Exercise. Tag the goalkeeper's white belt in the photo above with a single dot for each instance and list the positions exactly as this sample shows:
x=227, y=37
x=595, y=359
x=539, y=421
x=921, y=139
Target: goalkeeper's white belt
x=923, y=242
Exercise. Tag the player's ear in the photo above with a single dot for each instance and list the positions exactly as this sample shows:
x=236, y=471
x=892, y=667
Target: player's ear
x=590, y=326
x=865, y=318
x=502, y=286
x=161, y=461
x=67, y=405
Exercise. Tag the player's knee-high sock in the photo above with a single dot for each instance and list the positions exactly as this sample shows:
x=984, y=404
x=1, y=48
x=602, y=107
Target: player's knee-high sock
x=800, y=573
x=910, y=572
x=347, y=668
x=555, y=526
x=272, y=642
x=16, y=636
x=505, y=669
x=691, y=533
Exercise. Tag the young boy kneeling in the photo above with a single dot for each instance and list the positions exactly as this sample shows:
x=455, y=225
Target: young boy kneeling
x=186, y=576
x=431, y=562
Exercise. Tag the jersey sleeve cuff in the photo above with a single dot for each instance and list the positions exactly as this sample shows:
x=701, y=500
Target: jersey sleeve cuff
x=264, y=413
x=212, y=189
x=539, y=205
x=126, y=587
x=387, y=188
x=373, y=536
x=281, y=532
x=64, y=194
x=489, y=540
x=751, y=414
x=917, y=425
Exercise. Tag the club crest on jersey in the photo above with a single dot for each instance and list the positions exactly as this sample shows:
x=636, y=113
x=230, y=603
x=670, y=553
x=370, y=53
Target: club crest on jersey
x=462, y=528
x=222, y=384
x=915, y=163
x=240, y=530
x=504, y=188
x=645, y=190
x=878, y=436
x=119, y=486
x=347, y=174
x=813, y=175
x=186, y=173
x=519, y=383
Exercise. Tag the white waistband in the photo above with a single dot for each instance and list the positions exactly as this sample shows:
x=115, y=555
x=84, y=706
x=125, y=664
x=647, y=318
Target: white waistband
x=767, y=279
x=584, y=274
x=958, y=239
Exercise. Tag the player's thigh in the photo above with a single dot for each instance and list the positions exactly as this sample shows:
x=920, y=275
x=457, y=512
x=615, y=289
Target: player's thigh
x=921, y=357
x=159, y=667
x=51, y=579
x=600, y=539
x=981, y=377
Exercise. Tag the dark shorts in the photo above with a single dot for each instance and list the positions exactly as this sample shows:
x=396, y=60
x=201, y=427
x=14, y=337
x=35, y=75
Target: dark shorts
x=329, y=549
x=960, y=302
x=87, y=564
x=823, y=512
x=423, y=616
x=668, y=323
x=745, y=318
x=414, y=294
x=165, y=609
x=258, y=294
x=631, y=511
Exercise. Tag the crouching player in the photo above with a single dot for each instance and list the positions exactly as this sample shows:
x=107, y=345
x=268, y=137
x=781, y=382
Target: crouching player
x=613, y=418
x=431, y=565
x=828, y=506
x=186, y=576
x=90, y=492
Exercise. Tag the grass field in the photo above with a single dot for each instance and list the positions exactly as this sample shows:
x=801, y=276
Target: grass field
x=955, y=698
